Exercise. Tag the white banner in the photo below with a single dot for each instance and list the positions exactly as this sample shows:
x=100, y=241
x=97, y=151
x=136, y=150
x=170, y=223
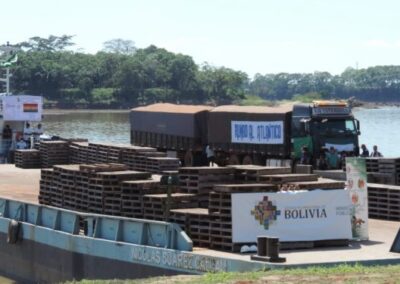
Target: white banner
x=22, y=108
x=356, y=174
x=291, y=216
x=257, y=132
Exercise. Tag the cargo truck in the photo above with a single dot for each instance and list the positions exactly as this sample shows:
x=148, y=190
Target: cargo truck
x=246, y=134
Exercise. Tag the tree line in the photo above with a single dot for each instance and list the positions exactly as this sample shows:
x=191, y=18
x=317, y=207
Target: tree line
x=122, y=75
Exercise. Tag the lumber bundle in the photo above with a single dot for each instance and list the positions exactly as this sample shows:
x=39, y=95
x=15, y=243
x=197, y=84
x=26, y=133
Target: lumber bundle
x=383, y=170
x=27, y=158
x=220, y=212
x=132, y=193
x=384, y=201
x=200, y=180
x=252, y=173
x=54, y=153
x=156, y=206
x=195, y=222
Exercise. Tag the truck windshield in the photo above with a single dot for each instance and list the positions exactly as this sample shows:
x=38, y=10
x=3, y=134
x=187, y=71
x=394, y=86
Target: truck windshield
x=334, y=127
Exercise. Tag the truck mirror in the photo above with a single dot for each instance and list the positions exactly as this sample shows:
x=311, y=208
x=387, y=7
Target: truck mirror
x=358, y=125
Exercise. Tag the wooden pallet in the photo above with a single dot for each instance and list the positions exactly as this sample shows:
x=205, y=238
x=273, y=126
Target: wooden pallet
x=285, y=178
x=251, y=173
x=195, y=222
x=201, y=180
x=384, y=201
x=132, y=193
x=155, y=205
x=27, y=158
x=321, y=183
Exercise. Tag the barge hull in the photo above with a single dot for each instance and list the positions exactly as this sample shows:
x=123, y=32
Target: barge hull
x=30, y=262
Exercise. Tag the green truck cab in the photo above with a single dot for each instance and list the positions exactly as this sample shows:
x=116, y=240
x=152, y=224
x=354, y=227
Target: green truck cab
x=324, y=124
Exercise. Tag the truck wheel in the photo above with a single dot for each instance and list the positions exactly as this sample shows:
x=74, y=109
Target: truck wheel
x=234, y=160
x=247, y=160
x=188, y=160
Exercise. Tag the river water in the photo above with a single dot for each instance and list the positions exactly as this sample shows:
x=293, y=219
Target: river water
x=378, y=127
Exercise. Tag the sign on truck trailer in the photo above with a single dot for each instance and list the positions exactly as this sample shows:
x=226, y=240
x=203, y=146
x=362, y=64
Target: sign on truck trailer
x=245, y=134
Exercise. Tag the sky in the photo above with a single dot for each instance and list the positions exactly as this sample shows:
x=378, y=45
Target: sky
x=254, y=36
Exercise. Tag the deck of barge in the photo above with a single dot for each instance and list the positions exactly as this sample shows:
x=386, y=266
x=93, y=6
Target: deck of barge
x=23, y=185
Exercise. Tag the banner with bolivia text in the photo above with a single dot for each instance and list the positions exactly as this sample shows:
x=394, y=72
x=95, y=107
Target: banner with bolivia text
x=291, y=216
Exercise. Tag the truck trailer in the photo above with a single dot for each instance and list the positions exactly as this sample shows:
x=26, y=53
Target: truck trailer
x=246, y=134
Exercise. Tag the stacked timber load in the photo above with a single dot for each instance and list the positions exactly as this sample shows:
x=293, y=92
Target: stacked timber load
x=54, y=153
x=132, y=193
x=79, y=152
x=72, y=197
x=252, y=173
x=169, y=126
x=93, y=188
x=320, y=183
x=46, y=187
x=384, y=201
x=157, y=206
x=104, y=192
x=195, y=222
x=200, y=180
x=220, y=212
x=149, y=160
x=383, y=170
x=27, y=158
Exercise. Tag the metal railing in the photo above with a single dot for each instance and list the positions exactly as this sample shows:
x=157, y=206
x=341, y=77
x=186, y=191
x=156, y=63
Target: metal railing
x=118, y=229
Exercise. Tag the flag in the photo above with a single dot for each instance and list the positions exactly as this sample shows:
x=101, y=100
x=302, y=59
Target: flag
x=30, y=107
x=9, y=61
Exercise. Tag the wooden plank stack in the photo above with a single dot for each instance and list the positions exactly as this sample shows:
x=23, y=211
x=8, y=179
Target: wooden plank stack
x=384, y=201
x=27, y=158
x=54, y=153
x=252, y=173
x=286, y=178
x=46, y=186
x=220, y=211
x=105, y=190
x=200, y=180
x=321, y=183
x=383, y=170
x=79, y=152
x=132, y=195
x=155, y=206
x=195, y=222
x=66, y=183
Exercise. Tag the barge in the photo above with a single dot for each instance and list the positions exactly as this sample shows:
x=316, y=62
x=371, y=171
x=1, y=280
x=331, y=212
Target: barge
x=52, y=248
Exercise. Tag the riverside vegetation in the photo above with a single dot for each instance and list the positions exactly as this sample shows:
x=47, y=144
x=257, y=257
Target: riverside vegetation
x=337, y=274
x=122, y=76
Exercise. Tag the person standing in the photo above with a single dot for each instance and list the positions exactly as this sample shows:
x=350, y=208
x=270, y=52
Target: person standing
x=332, y=158
x=37, y=132
x=28, y=131
x=364, y=151
x=305, y=158
x=210, y=155
x=7, y=139
x=375, y=152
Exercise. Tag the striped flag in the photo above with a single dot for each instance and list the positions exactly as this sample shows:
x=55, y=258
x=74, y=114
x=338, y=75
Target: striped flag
x=31, y=107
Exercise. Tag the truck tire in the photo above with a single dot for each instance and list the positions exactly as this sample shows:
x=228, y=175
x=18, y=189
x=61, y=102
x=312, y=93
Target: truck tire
x=188, y=159
x=234, y=160
x=247, y=160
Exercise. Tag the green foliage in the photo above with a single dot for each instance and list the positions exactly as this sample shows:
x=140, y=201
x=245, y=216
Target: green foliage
x=103, y=96
x=253, y=100
x=152, y=74
x=308, y=97
x=318, y=274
